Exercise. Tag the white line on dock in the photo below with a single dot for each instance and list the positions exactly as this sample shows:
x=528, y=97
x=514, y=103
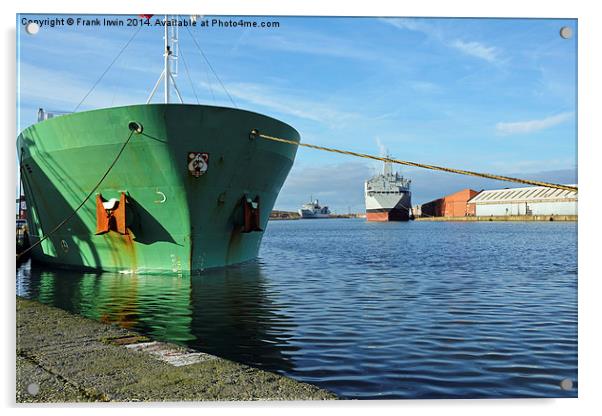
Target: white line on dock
x=176, y=356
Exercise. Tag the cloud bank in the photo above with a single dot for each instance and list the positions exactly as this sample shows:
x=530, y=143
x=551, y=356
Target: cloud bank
x=341, y=186
x=529, y=126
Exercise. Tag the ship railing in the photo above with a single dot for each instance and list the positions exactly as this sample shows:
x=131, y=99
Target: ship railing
x=47, y=114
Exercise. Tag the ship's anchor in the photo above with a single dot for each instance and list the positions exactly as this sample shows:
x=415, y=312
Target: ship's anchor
x=110, y=215
x=251, y=214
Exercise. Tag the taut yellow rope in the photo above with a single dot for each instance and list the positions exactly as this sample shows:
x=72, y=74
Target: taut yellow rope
x=422, y=165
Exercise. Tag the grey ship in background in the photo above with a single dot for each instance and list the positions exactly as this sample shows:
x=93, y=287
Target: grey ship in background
x=388, y=196
x=314, y=210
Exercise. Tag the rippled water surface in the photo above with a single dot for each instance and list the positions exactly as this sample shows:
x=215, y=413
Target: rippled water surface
x=367, y=310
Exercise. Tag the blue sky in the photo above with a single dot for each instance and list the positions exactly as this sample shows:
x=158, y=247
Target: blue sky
x=492, y=95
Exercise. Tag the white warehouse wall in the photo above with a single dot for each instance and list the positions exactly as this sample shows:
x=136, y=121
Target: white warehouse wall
x=537, y=208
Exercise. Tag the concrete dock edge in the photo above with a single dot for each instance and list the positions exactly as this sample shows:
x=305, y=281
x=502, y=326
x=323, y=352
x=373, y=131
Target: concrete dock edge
x=62, y=357
x=510, y=218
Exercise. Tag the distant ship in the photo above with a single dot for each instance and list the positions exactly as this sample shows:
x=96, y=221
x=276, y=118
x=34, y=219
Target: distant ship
x=193, y=190
x=314, y=210
x=388, y=196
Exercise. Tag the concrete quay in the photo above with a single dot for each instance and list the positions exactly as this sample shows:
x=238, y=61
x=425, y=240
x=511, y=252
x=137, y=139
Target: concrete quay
x=503, y=218
x=63, y=357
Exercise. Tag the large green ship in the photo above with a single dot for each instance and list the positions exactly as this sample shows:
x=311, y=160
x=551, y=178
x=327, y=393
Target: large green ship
x=192, y=189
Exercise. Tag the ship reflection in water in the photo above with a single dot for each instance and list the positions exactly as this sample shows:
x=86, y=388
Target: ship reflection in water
x=225, y=312
x=367, y=309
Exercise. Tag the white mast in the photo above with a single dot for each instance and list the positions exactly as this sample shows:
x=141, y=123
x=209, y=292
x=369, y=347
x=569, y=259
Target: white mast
x=167, y=76
x=387, y=166
x=166, y=70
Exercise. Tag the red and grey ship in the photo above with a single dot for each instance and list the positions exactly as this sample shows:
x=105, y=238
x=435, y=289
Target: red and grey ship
x=388, y=196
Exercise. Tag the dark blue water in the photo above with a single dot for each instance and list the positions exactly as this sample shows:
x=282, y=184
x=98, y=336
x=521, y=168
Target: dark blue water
x=367, y=310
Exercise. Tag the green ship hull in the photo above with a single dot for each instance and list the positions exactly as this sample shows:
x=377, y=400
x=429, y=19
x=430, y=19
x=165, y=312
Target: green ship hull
x=177, y=220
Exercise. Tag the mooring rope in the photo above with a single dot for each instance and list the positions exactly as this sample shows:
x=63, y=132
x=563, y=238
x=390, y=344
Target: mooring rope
x=420, y=165
x=134, y=128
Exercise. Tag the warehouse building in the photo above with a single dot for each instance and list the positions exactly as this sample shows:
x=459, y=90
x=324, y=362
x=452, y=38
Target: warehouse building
x=533, y=200
x=454, y=205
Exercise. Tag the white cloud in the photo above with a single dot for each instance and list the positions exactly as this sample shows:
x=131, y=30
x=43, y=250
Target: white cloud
x=289, y=102
x=339, y=186
x=430, y=29
x=425, y=87
x=511, y=166
x=530, y=126
x=60, y=90
x=311, y=42
x=314, y=44
x=476, y=49
x=415, y=25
